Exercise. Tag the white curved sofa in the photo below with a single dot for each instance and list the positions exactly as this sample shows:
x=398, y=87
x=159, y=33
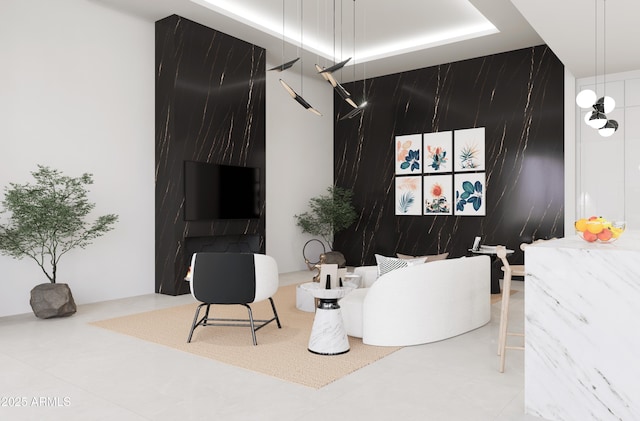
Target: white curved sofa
x=421, y=303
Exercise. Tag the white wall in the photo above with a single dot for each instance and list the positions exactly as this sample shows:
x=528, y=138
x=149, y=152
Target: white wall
x=608, y=167
x=77, y=94
x=299, y=157
x=569, y=153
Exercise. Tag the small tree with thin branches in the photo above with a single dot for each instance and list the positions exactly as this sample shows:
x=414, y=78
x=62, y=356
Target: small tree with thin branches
x=47, y=219
x=329, y=214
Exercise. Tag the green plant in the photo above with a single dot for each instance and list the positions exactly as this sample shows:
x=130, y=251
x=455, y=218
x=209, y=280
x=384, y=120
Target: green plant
x=47, y=219
x=330, y=213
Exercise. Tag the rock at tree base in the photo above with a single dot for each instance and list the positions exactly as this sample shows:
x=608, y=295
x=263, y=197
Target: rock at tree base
x=52, y=300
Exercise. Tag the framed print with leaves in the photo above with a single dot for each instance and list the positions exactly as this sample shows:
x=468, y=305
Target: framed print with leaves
x=437, y=152
x=437, y=195
x=408, y=154
x=409, y=195
x=469, y=149
x=470, y=194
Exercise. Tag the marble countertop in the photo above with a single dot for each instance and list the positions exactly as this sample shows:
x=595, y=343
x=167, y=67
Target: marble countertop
x=581, y=319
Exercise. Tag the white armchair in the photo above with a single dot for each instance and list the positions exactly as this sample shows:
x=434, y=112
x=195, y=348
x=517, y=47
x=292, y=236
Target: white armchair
x=230, y=279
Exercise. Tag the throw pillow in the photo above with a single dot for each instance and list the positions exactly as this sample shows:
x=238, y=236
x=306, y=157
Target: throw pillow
x=407, y=257
x=434, y=257
x=387, y=264
x=428, y=258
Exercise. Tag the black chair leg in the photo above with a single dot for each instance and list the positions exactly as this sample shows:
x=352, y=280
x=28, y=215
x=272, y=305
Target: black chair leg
x=196, y=322
x=204, y=320
x=253, y=329
x=273, y=306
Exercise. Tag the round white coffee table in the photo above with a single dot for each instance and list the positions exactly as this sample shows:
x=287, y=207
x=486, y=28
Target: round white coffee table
x=328, y=335
x=352, y=280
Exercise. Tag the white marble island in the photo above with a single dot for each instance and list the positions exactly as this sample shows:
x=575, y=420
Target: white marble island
x=582, y=329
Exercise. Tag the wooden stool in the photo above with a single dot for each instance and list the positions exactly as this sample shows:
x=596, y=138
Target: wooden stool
x=509, y=271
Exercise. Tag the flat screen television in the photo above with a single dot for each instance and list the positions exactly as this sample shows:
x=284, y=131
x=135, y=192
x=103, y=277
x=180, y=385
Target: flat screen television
x=215, y=191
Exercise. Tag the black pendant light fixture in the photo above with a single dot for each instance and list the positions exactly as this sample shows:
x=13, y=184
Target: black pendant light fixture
x=327, y=73
x=285, y=66
x=600, y=107
x=358, y=109
x=354, y=112
x=344, y=94
x=298, y=98
x=288, y=64
x=335, y=67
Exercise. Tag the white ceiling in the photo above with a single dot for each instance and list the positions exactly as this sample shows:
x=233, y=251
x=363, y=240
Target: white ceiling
x=571, y=29
x=409, y=26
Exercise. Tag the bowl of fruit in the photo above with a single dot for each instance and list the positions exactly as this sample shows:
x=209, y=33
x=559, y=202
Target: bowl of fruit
x=598, y=229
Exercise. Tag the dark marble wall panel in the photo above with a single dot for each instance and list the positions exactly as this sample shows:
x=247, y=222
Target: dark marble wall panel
x=210, y=107
x=518, y=98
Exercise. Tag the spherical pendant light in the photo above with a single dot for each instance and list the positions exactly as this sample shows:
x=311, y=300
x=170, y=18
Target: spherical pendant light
x=608, y=104
x=595, y=119
x=586, y=98
x=609, y=128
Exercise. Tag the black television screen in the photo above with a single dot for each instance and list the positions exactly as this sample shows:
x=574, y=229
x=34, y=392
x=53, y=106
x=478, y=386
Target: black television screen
x=214, y=191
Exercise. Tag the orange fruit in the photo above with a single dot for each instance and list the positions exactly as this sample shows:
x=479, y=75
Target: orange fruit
x=589, y=236
x=581, y=225
x=594, y=227
x=605, y=235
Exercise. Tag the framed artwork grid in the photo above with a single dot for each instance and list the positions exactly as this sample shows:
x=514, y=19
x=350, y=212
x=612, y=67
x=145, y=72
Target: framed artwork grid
x=441, y=173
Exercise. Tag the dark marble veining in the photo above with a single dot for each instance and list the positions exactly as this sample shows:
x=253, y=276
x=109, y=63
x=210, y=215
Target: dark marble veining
x=210, y=107
x=517, y=96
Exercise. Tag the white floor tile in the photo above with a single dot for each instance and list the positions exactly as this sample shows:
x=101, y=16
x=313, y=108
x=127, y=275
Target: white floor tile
x=83, y=372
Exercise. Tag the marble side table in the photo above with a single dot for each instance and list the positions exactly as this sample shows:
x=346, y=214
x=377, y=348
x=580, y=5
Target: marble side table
x=328, y=334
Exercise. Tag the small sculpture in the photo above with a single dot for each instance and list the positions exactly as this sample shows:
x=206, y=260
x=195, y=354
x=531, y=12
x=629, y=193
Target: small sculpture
x=332, y=257
x=314, y=266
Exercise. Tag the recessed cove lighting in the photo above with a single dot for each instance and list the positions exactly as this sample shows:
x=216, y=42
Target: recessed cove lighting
x=248, y=15
x=428, y=40
x=258, y=15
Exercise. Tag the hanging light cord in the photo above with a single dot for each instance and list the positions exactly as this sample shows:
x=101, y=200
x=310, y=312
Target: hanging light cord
x=354, y=40
x=595, y=2
x=341, y=34
x=334, y=32
x=364, y=64
x=283, y=31
x=604, y=48
x=301, y=50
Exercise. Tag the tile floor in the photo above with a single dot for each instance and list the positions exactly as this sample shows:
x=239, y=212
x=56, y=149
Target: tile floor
x=66, y=369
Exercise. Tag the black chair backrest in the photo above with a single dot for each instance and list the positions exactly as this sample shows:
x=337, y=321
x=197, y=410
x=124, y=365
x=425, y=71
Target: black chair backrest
x=224, y=278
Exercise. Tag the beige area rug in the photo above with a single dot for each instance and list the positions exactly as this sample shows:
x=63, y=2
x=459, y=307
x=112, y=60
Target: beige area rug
x=280, y=353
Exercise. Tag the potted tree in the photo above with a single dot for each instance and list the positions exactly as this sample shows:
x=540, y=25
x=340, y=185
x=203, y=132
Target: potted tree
x=45, y=220
x=330, y=213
